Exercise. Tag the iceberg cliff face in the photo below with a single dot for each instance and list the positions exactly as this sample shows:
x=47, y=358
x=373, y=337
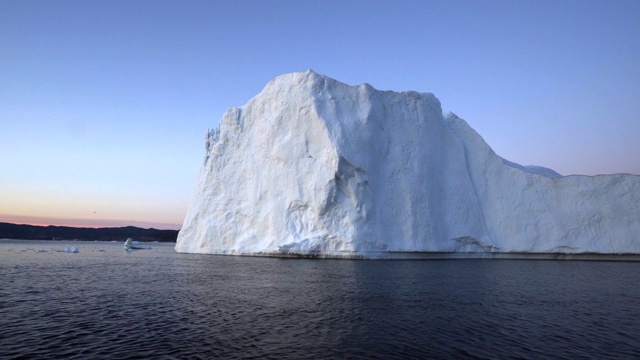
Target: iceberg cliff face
x=315, y=167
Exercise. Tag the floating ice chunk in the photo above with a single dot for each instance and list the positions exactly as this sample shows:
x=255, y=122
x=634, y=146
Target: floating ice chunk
x=130, y=245
x=70, y=250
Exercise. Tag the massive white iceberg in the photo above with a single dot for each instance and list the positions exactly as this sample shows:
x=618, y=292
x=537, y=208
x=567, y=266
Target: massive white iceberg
x=315, y=167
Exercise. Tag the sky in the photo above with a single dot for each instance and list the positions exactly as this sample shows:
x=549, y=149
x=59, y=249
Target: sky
x=104, y=105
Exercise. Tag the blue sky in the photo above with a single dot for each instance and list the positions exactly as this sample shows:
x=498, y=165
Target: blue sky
x=104, y=104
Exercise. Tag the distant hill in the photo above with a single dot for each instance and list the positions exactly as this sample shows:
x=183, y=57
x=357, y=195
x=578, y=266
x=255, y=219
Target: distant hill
x=31, y=232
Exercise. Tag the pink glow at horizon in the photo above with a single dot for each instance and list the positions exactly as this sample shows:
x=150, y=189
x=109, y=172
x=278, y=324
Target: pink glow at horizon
x=84, y=223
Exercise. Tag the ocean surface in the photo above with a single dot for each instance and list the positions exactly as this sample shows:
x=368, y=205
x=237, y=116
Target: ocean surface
x=104, y=302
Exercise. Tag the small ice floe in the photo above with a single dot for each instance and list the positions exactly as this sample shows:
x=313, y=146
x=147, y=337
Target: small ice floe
x=101, y=250
x=70, y=250
x=130, y=245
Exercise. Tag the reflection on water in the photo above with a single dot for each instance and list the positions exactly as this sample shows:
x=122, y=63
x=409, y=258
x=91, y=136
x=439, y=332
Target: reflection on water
x=103, y=302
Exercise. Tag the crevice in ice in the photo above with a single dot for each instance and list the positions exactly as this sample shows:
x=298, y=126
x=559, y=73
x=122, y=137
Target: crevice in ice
x=483, y=220
x=471, y=244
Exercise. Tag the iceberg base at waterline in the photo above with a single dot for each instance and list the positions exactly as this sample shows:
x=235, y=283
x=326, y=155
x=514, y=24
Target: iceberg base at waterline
x=312, y=167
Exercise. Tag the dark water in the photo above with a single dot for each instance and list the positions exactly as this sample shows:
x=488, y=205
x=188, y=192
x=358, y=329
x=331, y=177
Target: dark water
x=105, y=303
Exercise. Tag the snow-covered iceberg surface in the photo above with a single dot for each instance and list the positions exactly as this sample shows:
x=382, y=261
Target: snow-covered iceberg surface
x=314, y=167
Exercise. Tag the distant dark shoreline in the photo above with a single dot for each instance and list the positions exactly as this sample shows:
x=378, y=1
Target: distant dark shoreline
x=33, y=232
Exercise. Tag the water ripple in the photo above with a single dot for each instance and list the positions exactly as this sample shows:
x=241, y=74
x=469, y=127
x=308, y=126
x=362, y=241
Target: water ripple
x=158, y=304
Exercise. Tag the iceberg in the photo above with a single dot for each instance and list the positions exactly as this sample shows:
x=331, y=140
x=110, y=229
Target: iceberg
x=314, y=167
x=130, y=245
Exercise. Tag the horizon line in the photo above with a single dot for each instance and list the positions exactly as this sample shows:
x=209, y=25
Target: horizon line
x=85, y=223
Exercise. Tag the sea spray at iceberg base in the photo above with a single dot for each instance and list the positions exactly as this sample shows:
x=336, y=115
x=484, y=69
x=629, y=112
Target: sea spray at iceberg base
x=314, y=167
